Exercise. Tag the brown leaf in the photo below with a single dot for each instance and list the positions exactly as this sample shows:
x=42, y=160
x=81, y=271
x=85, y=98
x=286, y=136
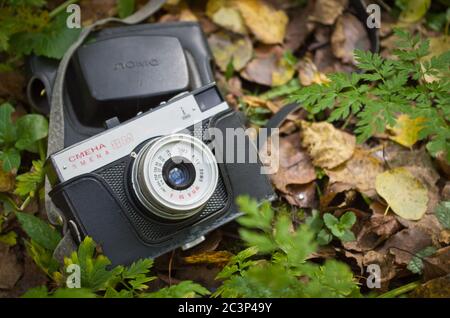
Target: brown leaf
x=384, y=225
x=301, y=195
x=32, y=276
x=227, y=15
x=267, y=24
x=299, y=27
x=406, y=243
x=294, y=164
x=437, y=264
x=359, y=171
x=326, y=62
x=12, y=85
x=328, y=147
x=10, y=268
x=268, y=67
x=349, y=34
x=94, y=10
x=327, y=11
x=436, y=288
x=387, y=266
x=226, y=48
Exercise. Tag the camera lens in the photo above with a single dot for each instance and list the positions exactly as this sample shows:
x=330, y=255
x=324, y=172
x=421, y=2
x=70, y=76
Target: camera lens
x=175, y=176
x=178, y=173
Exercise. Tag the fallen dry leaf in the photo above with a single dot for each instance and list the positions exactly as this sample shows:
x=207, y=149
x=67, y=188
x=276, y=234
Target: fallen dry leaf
x=299, y=27
x=406, y=130
x=405, y=244
x=295, y=167
x=349, y=34
x=308, y=73
x=301, y=195
x=386, y=263
x=227, y=48
x=10, y=268
x=382, y=224
x=94, y=10
x=213, y=257
x=11, y=85
x=269, y=67
x=406, y=195
x=327, y=146
x=255, y=101
x=327, y=11
x=359, y=171
x=225, y=14
x=437, y=264
x=267, y=24
x=436, y=288
x=7, y=180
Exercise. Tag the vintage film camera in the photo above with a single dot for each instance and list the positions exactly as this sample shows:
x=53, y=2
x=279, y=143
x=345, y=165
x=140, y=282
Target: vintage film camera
x=141, y=172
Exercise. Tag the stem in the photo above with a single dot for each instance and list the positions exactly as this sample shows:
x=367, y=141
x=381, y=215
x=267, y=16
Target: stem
x=400, y=290
x=25, y=203
x=42, y=151
x=61, y=8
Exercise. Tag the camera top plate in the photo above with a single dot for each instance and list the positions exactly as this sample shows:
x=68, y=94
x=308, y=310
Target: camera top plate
x=120, y=141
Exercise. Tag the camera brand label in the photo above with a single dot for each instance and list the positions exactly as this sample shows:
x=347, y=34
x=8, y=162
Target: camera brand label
x=113, y=144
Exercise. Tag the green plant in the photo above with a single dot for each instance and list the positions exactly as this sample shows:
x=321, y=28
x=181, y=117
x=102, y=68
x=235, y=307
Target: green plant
x=286, y=271
x=26, y=134
x=97, y=277
x=415, y=265
x=443, y=213
x=412, y=84
x=27, y=27
x=328, y=226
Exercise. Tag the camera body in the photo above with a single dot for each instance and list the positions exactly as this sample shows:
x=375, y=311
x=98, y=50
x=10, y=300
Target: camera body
x=158, y=181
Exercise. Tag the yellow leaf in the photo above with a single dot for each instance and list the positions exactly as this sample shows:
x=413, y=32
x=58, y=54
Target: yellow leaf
x=309, y=74
x=414, y=11
x=405, y=195
x=224, y=14
x=215, y=257
x=438, y=46
x=359, y=172
x=328, y=147
x=226, y=47
x=283, y=73
x=406, y=130
x=7, y=180
x=267, y=24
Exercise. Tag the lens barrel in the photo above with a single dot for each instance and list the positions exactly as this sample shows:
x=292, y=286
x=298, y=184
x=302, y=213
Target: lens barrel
x=174, y=176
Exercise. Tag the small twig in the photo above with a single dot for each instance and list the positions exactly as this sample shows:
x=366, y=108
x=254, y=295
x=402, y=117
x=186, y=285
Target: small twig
x=170, y=268
x=61, y=8
x=400, y=290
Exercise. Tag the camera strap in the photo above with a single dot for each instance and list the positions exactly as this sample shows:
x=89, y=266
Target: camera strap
x=56, y=125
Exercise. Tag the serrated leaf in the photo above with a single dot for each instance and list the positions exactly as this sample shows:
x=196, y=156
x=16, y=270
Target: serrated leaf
x=139, y=267
x=185, y=289
x=39, y=231
x=29, y=183
x=10, y=159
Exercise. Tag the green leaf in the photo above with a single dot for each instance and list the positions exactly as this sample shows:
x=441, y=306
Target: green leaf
x=51, y=41
x=185, y=289
x=30, y=129
x=42, y=292
x=10, y=159
x=324, y=237
x=9, y=238
x=330, y=220
x=443, y=213
x=29, y=183
x=36, y=292
x=94, y=272
x=7, y=128
x=347, y=220
x=39, y=231
x=416, y=263
x=348, y=236
x=125, y=8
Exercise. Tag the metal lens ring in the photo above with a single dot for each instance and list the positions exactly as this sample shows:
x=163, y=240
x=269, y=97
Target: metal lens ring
x=175, y=176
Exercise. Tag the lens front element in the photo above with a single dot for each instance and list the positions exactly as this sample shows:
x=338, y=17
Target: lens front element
x=174, y=176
